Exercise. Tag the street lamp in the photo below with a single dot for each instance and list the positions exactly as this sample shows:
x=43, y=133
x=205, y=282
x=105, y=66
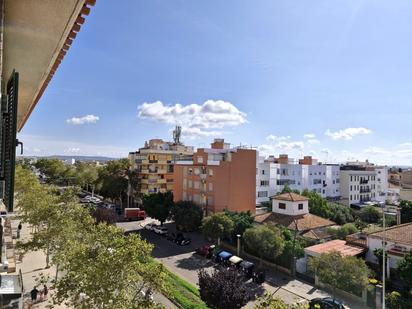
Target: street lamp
x=238, y=244
x=383, y=257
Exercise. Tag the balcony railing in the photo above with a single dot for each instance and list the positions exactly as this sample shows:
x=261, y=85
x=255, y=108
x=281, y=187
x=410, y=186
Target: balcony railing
x=364, y=181
x=357, y=240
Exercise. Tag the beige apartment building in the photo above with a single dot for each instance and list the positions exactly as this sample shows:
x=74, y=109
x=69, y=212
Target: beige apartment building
x=218, y=178
x=155, y=165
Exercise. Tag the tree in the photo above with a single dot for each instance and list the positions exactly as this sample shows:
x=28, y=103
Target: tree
x=187, y=215
x=269, y=301
x=347, y=273
x=340, y=214
x=294, y=247
x=217, y=225
x=223, y=289
x=370, y=214
x=405, y=269
x=112, y=180
x=241, y=220
x=54, y=170
x=343, y=231
x=264, y=241
x=85, y=174
x=158, y=205
x=287, y=189
x=105, y=269
x=317, y=205
x=406, y=211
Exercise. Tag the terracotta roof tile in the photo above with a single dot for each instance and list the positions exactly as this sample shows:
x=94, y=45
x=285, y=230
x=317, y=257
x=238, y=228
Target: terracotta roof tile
x=290, y=196
x=336, y=245
x=398, y=233
x=304, y=222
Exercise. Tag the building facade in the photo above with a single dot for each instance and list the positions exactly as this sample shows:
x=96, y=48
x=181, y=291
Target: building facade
x=155, y=165
x=272, y=174
x=218, y=178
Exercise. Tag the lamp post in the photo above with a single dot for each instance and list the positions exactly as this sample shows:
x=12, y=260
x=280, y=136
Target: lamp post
x=383, y=257
x=238, y=244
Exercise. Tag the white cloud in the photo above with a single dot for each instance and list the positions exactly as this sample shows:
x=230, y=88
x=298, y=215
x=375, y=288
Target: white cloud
x=309, y=136
x=313, y=141
x=347, y=134
x=280, y=144
x=72, y=150
x=197, y=120
x=83, y=120
x=407, y=144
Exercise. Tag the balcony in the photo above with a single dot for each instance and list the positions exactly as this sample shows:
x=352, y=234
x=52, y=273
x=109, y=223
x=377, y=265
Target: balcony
x=161, y=171
x=364, y=181
x=161, y=180
x=365, y=190
x=398, y=251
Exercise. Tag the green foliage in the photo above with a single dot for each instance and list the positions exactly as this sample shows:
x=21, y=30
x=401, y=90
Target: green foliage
x=394, y=300
x=242, y=221
x=343, y=231
x=158, y=205
x=287, y=189
x=182, y=292
x=269, y=301
x=264, y=241
x=370, y=214
x=223, y=289
x=346, y=273
x=340, y=214
x=405, y=269
x=406, y=211
x=187, y=215
x=112, y=179
x=54, y=169
x=85, y=174
x=294, y=246
x=317, y=204
x=217, y=225
x=100, y=267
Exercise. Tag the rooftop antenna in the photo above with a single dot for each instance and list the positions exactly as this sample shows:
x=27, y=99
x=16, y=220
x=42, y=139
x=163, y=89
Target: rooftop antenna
x=177, y=132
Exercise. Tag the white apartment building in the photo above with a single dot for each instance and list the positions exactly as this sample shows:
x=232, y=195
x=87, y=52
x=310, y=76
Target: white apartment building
x=272, y=174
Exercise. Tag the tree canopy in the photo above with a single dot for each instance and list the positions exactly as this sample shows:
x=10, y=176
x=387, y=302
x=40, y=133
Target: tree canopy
x=158, y=205
x=241, y=220
x=342, y=231
x=187, y=215
x=406, y=211
x=370, y=214
x=223, y=289
x=346, y=273
x=217, y=225
x=405, y=269
x=55, y=170
x=269, y=301
x=264, y=241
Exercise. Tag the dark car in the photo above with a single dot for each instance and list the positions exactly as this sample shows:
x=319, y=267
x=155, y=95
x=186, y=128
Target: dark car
x=181, y=240
x=326, y=303
x=247, y=268
x=206, y=251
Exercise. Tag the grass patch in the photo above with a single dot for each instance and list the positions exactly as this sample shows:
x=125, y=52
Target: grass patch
x=182, y=292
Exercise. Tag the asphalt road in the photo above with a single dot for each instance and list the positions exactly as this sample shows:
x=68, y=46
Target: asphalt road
x=182, y=260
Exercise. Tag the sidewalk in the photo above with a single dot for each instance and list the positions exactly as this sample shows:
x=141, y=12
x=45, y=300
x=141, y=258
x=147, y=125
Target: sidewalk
x=33, y=266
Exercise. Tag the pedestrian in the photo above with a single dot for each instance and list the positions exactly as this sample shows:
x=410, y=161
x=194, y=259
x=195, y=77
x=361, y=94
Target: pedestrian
x=33, y=294
x=19, y=227
x=45, y=291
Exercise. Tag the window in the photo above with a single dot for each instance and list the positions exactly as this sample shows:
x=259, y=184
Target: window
x=282, y=206
x=210, y=200
x=184, y=183
x=300, y=206
x=190, y=184
x=264, y=182
x=210, y=186
x=317, y=181
x=263, y=172
x=199, y=159
x=263, y=194
x=350, y=197
x=196, y=184
x=197, y=171
x=351, y=188
x=210, y=172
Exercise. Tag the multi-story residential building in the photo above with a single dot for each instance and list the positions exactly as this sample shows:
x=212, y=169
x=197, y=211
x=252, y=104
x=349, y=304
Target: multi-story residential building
x=155, y=165
x=358, y=183
x=218, y=178
x=272, y=174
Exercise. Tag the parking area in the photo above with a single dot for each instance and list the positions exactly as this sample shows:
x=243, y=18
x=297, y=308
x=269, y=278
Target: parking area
x=184, y=262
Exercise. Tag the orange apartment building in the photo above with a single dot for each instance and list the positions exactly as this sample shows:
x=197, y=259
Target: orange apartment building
x=218, y=178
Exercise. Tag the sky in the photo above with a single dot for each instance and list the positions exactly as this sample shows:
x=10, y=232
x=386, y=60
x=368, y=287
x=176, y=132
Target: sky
x=327, y=78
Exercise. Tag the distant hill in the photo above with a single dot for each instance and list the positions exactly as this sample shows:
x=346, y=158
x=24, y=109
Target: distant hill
x=77, y=158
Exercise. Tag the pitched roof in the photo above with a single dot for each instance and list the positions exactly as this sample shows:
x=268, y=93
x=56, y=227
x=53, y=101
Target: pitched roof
x=335, y=245
x=398, y=233
x=304, y=222
x=289, y=196
x=318, y=234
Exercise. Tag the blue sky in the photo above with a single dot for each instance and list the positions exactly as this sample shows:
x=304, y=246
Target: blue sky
x=332, y=79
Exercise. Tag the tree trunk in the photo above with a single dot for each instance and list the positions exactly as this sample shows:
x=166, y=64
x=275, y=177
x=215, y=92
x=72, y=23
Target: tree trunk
x=47, y=258
x=57, y=272
x=218, y=241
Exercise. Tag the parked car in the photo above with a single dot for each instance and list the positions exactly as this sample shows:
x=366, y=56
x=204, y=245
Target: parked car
x=160, y=230
x=326, y=303
x=181, y=240
x=206, y=251
x=259, y=277
x=234, y=261
x=150, y=226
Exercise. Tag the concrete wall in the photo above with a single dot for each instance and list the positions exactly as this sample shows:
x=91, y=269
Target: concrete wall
x=292, y=208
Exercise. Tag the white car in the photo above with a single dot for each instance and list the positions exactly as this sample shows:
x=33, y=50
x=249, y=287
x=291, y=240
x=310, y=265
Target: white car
x=150, y=226
x=161, y=230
